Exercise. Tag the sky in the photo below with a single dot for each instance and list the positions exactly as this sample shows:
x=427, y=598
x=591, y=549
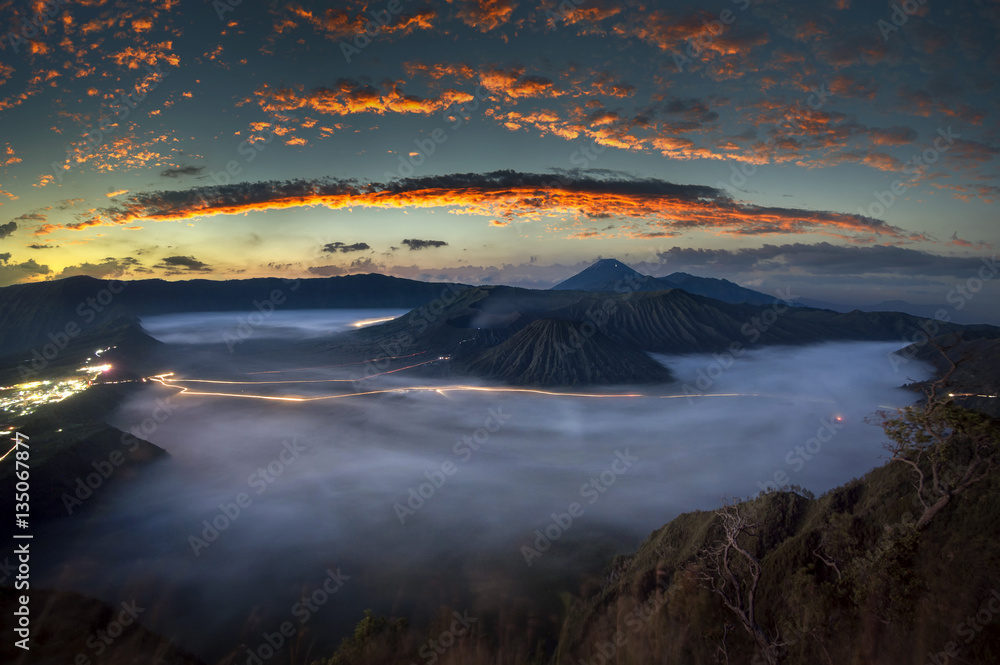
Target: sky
x=849, y=148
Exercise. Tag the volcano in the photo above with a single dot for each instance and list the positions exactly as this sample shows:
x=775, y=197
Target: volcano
x=556, y=352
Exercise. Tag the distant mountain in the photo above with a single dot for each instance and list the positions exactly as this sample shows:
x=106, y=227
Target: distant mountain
x=610, y=275
x=553, y=352
x=448, y=319
x=613, y=275
x=720, y=289
x=30, y=314
x=674, y=321
x=926, y=311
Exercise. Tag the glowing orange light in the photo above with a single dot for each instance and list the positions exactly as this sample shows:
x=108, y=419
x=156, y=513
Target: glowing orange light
x=370, y=322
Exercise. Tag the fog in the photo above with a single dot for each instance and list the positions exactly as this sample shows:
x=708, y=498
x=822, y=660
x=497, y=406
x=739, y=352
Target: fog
x=212, y=327
x=339, y=467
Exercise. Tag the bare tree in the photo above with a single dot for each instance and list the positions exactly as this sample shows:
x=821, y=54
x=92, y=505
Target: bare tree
x=732, y=572
x=722, y=651
x=948, y=448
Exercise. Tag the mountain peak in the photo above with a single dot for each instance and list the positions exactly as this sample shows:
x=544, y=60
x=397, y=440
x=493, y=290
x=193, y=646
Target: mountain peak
x=609, y=275
x=613, y=263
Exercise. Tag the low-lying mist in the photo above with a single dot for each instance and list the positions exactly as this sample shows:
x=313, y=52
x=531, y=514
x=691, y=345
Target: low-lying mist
x=432, y=497
x=262, y=323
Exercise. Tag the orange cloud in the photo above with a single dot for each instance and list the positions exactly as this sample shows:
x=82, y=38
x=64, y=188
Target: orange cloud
x=7, y=157
x=484, y=15
x=348, y=96
x=348, y=22
x=654, y=206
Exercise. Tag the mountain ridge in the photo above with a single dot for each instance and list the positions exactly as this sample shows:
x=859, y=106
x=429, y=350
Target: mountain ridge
x=616, y=276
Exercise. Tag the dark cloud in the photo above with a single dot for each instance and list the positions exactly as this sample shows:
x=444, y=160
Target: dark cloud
x=38, y=246
x=7, y=229
x=692, y=110
x=181, y=171
x=333, y=247
x=823, y=259
x=414, y=243
x=108, y=267
x=364, y=265
x=183, y=263
x=11, y=273
x=663, y=207
x=328, y=271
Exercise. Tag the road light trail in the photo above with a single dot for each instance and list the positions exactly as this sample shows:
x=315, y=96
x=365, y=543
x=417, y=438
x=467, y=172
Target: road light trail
x=370, y=322
x=8, y=453
x=174, y=383
x=440, y=389
x=266, y=383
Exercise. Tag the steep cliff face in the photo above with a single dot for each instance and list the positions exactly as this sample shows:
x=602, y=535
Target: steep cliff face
x=552, y=352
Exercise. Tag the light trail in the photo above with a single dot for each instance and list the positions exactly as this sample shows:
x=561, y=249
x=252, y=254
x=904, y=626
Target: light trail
x=8, y=453
x=267, y=383
x=175, y=383
x=370, y=322
x=161, y=379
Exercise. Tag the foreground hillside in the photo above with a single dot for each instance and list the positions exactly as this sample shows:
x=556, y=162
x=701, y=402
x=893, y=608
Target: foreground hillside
x=844, y=579
x=70, y=628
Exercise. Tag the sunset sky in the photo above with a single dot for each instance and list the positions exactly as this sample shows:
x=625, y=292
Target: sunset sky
x=846, y=147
